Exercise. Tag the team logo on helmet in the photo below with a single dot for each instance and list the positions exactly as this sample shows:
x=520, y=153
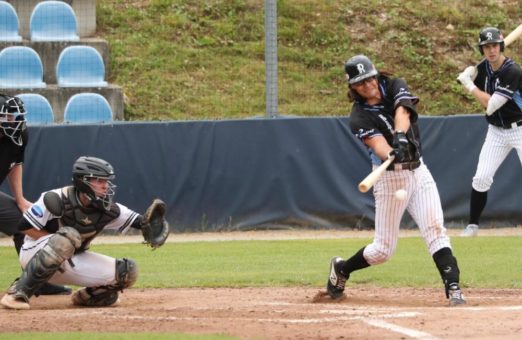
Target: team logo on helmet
x=361, y=69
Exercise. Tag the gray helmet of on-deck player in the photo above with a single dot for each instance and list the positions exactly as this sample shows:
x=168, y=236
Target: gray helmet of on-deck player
x=12, y=118
x=490, y=35
x=86, y=168
x=358, y=68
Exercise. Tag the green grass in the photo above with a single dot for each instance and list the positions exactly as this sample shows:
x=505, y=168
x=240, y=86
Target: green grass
x=194, y=60
x=484, y=262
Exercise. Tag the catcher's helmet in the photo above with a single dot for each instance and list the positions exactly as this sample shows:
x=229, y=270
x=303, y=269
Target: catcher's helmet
x=490, y=35
x=359, y=68
x=12, y=118
x=85, y=168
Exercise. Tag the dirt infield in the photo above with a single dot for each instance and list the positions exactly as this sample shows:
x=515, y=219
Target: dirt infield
x=283, y=313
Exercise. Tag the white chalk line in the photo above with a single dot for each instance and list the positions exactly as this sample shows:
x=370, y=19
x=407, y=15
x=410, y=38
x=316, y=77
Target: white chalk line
x=412, y=333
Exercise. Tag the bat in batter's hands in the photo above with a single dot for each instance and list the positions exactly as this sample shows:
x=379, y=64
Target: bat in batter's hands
x=374, y=176
x=514, y=35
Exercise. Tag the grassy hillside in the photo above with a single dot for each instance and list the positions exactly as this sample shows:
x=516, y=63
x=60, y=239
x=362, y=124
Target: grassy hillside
x=193, y=60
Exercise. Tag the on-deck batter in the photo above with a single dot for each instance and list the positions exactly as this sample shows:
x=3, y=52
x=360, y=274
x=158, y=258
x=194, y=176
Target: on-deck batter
x=384, y=118
x=496, y=83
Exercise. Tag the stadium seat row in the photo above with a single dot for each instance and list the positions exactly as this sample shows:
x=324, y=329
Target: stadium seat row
x=81, y=108
x=50, y=21
x=77, y=66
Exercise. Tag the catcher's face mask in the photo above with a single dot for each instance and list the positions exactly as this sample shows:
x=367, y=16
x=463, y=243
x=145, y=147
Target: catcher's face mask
x=102, y=190
x=12, y=119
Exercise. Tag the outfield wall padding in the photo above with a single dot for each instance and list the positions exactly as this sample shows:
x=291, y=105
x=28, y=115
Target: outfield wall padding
x=265, y=173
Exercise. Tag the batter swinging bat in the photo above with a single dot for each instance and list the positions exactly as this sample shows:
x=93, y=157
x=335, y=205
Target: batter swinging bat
x=370, y=180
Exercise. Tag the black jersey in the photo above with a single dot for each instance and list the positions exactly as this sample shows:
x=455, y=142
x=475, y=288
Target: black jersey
x=11, y=154
x=507, y=82
x=367, y=121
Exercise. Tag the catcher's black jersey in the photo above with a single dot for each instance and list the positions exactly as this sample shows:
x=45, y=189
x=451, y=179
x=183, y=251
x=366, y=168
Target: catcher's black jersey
x=11, y=154
x=507, y=82
x=367, y=121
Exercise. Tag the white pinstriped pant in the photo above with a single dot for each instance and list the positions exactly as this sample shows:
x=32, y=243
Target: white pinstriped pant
x=499, y=142
x=423, y=204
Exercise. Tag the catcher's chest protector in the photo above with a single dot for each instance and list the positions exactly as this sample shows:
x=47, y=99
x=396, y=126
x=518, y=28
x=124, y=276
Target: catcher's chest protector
x=88, y=221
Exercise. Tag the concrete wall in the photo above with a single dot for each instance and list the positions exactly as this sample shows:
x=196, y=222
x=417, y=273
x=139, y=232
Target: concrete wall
x=85, y=13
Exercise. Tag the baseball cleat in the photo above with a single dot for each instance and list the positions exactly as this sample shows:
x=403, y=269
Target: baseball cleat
x=13, y=301
x=337, y=280
x=456, y=297
x=470, y=231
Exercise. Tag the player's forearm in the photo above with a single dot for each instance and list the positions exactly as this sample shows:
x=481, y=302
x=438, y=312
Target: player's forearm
x=481, y=96
x=402, y=119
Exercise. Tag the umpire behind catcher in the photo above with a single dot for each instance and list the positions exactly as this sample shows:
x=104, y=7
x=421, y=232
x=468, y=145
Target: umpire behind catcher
x=14, y=137
x=59, y=228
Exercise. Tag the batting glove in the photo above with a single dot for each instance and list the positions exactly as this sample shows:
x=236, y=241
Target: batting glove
x=467, y=77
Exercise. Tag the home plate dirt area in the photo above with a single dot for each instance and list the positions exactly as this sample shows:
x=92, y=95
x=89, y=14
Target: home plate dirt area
x=284, y=313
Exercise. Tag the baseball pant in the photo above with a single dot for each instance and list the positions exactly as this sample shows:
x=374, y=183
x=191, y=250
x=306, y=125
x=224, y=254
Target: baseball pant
x=86, y=269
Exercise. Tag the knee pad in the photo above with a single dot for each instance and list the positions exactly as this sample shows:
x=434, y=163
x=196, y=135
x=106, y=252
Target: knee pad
x=481, y=184
x=61, y=246
x=126, y=273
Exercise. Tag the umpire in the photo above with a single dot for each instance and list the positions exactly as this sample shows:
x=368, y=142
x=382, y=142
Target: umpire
x=13, y=140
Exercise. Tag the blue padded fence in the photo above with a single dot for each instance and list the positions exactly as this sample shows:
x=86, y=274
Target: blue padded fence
x=264, y=173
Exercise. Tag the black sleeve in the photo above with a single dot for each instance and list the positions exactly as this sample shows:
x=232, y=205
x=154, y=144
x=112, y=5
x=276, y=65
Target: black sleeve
x=52, y=226
x=136, y=224
x=403, y=97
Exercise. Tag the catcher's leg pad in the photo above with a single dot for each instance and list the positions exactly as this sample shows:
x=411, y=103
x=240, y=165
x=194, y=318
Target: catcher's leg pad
x=42, y=266
x=103, y=296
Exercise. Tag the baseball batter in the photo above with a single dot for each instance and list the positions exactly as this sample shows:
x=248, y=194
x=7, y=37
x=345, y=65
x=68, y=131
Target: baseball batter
x=59, y=228
x=384, y=118
x=496, y=83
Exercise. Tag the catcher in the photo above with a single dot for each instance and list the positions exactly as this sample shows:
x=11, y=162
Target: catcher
x=60, y=226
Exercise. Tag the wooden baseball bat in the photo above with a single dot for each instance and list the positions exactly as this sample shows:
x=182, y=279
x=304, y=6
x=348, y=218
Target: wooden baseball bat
x=372, y=178
x=514, y=35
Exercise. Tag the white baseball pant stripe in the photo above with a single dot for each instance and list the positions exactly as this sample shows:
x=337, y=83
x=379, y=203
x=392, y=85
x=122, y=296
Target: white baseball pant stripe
x=499, y=142
x=90, y=269
x=422, y=203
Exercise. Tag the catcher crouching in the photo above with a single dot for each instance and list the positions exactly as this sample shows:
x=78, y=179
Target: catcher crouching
x=60, y=226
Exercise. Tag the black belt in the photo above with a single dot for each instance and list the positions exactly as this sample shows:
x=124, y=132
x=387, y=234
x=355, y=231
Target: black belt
x=510, y=126
x=404, y=166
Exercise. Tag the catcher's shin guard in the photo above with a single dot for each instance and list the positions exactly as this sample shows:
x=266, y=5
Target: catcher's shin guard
x=103, y=296
x=46, y=262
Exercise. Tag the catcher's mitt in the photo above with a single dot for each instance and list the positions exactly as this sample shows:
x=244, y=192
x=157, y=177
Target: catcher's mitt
x=154, y=227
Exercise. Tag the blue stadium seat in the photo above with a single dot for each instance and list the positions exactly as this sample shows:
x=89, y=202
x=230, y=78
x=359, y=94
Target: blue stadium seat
x=80, y=66
x=87, y=108
x=39, y=111
x=9, y=23
x=20, y=67
x=53, y=21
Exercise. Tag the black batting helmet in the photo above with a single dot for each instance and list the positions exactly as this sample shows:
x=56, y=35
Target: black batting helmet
x=85, y=168
x=12, y=118
x=358, y=68
x=490, y=35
